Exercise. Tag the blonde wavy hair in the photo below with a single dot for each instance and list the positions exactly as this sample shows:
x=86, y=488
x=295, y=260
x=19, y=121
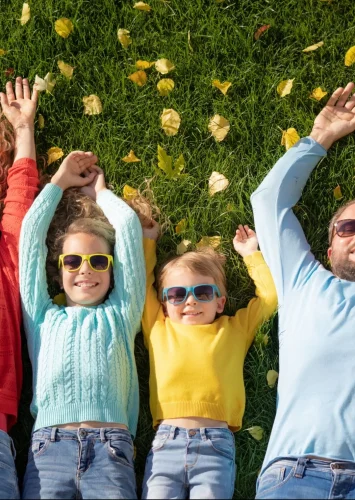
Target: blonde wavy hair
x=7, y=146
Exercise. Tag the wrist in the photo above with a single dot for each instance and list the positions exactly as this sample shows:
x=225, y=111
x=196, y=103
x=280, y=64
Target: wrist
x=23, y=127
x=59, y=181
x=323, y=138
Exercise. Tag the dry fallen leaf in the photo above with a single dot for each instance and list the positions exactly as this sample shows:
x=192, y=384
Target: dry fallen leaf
x=92, y=105
x=164, y=66
x=271, y=378
x=129, y=192
x=26, y=14
x=45, y=84
x=139, y=78
x=223, y=87
x=165, y=163
x=219, y=127
x=318, y=94
x=209, y=241
x=165, y=86
x=123, y=37
x=337, y=193
x=40, y=121
x=170, y=121
x=182, y=247
x=261, y=30
x=350, y=56
x=3, y=52
x=284, y=87
x=142, y=6
x=313, y=47
x=9, y=71
x=130, y=158
x=181, y=226
x=54, y=154
x=256, y=432
x=289, y=138
x=65, y=69
x=217, y=182
x=144, y=64
x=63, y=27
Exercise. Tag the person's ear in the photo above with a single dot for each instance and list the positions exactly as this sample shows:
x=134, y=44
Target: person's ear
x=165, y=311
x=329, y=254
x=221, y=302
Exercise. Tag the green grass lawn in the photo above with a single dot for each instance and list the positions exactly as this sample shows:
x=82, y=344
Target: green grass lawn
x=223, y=47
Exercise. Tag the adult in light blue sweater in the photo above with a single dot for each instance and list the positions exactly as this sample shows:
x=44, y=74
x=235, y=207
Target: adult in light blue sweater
x=85, y=386
x=311, y=452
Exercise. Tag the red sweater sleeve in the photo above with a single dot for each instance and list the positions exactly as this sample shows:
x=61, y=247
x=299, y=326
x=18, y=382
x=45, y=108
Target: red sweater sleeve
x=22, y=187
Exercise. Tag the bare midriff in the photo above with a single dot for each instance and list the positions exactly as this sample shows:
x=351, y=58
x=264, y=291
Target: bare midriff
x=90, y=425
x=3, y=422
x=194, y=422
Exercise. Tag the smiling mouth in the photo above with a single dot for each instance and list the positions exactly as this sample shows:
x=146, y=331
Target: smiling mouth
x=86, y=285
x=191, y=314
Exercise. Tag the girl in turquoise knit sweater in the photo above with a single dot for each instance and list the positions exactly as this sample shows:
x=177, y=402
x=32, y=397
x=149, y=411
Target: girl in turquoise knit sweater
x=85, y=387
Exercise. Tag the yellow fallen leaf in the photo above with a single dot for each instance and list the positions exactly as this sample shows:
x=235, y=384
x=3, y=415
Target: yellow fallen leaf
x=337, y=193
x=217, y=182
x=3, y=52
x=131, y=158
x=139, y=78
x=209, y=241
x=313, y=47
x=63, y=27
x=144, y=64
x=284, y=87
x=40, y=121
x=271, y=378
x=350, y=56
x=164, y=66
x=165, y=163
x=129, y=192
x=289, y=138
x=165, y=85
x=182, y=247
x=170, y=121
x=181, y=226
x=26, y=14
x=223, y=87
x=219, y=127
x=65, y=69
x=45, y=84
x=142, y=6
x=123, y=37
x=54, y=154
x=318, y=94
x=92, y=105
x=256, y=432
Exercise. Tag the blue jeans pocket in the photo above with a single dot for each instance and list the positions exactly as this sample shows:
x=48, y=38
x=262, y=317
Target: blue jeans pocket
x=159, y=441
x=121, y=451
x=273, y=478
x=223, y=446
x=38, y=448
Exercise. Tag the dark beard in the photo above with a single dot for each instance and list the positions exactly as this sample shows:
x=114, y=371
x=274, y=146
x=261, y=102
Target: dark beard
x=344, y=270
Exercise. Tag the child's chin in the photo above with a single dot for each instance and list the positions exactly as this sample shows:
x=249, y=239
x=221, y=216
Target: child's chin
x=193, y=320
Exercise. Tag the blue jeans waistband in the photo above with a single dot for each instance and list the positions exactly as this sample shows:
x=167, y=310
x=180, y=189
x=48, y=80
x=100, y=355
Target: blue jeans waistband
x=303, y=463
x=102, y=433
x=201, y=433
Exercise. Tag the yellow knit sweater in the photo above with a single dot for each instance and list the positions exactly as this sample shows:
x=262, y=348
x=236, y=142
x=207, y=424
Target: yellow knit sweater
x=197, y=370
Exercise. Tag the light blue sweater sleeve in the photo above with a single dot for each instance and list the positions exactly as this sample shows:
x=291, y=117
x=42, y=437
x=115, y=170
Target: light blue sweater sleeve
x=32, y=256
x=280, y=234
x=128, y=293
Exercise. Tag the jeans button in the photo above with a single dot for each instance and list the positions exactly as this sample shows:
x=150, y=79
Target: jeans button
x=82, y=433
x=192, y=432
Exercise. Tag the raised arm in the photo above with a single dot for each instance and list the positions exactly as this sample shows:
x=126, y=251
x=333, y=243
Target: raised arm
x=281, y=237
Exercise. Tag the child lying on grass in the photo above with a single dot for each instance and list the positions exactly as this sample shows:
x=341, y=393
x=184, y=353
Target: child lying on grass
x=197, y=395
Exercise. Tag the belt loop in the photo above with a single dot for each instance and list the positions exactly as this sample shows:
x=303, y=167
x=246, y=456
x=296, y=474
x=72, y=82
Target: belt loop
x=13, y=449
x=102, y=435
x=300, y=467
x=203, y=433
x=53, y=432
x=172, y=432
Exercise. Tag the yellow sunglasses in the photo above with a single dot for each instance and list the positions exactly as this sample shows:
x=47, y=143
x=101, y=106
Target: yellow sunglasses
x=72, y=262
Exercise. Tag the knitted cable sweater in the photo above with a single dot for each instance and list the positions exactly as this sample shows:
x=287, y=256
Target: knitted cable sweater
x=83, y=357
x=22, y=183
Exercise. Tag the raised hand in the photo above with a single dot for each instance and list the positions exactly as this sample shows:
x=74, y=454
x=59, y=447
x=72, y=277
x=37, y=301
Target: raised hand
x=19, y=106
x=73, y=170
x=152, y=232
x=97, y=184
x=245, y=241
x=337, y=118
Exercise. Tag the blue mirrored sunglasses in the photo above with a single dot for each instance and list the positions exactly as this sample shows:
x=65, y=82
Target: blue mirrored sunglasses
x=202, y=293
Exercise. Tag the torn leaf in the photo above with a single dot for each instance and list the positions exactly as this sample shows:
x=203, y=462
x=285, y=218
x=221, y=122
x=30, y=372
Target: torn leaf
x=65, y=69
x=289, y=138
x=130, y=158
x=124, y=37
x=92, y=105
x=182, y=247
x=165, y=163
x=284, y=87
x=219, y=127
x=223, y=87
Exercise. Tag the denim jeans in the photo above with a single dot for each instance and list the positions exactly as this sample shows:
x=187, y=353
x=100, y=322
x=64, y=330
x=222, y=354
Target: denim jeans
x=190, y=463
x=307, y=478
x=83, y=463
x=8, y=475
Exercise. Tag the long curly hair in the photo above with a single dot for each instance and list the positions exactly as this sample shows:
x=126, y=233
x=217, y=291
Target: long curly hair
x=7, y=146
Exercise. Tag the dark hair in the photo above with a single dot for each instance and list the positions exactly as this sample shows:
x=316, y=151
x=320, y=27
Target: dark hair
x=336, y=217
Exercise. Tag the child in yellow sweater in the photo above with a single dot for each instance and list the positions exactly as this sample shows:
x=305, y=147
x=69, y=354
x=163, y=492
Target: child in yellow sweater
x=197, y=395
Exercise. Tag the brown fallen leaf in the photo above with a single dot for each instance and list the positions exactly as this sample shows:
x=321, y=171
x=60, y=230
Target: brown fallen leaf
x=130, y=158
x=124, y=37
x=92, y=105
x=54, y=154
x=261, y=31
x=223, y=87
x=139, y=78
x=9, y=71
x=165, y=86
x=313, y=47
x=289, y=138
x=284, y=87
x=64, y=27
x=219, y=127
x=217, y=182
x=170, y=121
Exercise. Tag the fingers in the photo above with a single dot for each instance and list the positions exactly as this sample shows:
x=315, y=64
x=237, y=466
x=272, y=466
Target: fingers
x=84, y=159
x=351, y=103
x=84, y=181
x=3, y=101
x=34, y=96
x=10, y=93
x=19, y=88
x=26, y=89
x=345, y=95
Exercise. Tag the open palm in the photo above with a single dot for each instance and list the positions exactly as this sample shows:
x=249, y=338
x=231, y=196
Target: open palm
x=19, y=106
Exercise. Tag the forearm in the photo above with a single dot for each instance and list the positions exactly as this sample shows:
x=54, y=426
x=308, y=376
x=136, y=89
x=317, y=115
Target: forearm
x=24, y=142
